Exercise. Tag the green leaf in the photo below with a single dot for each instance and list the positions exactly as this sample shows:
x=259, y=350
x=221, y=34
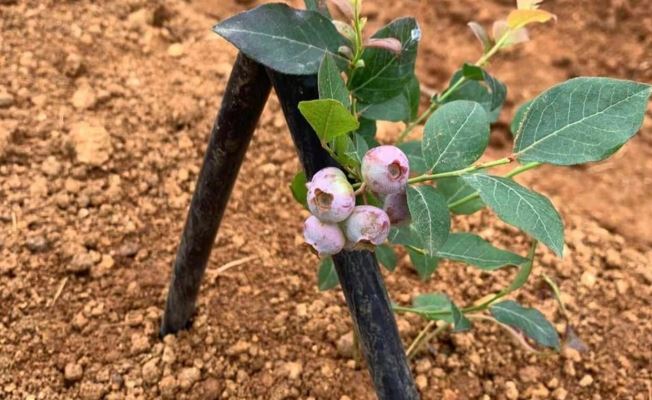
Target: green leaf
x=527, y=320
x=386, y=257
x=395, y=109
x=385, y=73
x=430, y=216
x=455, y=136
x=518, y=117
x=472, y=72
x=455, y=189
x=406, y=236
x=424, y=264
x=357, y=147
x=435, y=306
x=331, y=84
x=521, y=207
x=403, y=107
x=415, y=157
x=490, y=93
x=327, y=276
x=460, y=322
x=319, y=6
x=329, y=118
x=413, y=93
x=473, y=250
x=287, y=40
x=299, y=189
x=343, y=146
x=581, y=120
x=524, y=272
x=368, y=131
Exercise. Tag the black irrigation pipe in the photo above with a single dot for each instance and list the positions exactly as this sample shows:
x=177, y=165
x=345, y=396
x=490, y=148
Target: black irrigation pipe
x=244, y=98
x=358, y=271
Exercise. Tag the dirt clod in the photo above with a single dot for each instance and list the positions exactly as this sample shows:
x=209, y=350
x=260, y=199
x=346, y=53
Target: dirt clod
x=73, y=372
x=91, y=142
x=102, y=131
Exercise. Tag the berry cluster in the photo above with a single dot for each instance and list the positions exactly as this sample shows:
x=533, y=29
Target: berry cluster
x=337, y=223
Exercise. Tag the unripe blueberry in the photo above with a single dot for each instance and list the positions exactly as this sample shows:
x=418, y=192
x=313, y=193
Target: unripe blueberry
x=396, y=207
x=327, y=239
x=385, y=170
x=330, y=195
x=367, y=227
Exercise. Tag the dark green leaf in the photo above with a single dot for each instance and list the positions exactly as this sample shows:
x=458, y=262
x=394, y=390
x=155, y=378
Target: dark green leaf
x=403, y=107
x=319, y=6
x=413, y=152
x=386, y=257
x=490, y=93
x=424, y=264
x=522, y=208
x=430, y=216
x=368, y=131
x=455, y=136
x=524, y=272
x=327, y=276
x=331, y=84
x=527, y=320
x=473, y=250
x=472, y=72
x=284, y=39
x=395, y=109
x=328, y=117
x=435, y=306
x=413, y=94
x=581, y=120
x=518, y=117
x=455, y=189
x=385, y=73
x=299, y=189
x=460, y=322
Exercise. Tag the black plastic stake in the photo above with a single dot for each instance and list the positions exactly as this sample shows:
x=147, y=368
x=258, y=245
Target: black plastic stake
x=358, y=271
x=245, y=96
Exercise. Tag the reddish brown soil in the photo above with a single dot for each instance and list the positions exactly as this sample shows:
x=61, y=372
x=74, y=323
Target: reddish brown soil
x=88, y=231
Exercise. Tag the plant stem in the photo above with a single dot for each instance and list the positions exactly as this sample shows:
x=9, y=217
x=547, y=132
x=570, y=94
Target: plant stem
x=522, y=168
x=427, y=337
x=410, y=127
x=356, y=349
x=417, y=341
x=472, y=168
x=339, y=160
x=464, y=200
x=518, y=337
x=510, y=174
x=435, y=104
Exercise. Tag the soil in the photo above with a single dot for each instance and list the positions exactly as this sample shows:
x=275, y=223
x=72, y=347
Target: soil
x=105, y=108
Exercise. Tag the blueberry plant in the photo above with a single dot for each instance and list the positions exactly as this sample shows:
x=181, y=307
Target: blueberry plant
x=403, y=194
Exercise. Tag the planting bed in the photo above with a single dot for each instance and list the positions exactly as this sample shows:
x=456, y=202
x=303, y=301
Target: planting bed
x=105, y=111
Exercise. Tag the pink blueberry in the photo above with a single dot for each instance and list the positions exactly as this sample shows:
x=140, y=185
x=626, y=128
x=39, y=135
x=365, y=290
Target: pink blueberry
x=367, y=227
x=396, y=207
x=330, y=195
x=385, y=170
x=327, y=239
